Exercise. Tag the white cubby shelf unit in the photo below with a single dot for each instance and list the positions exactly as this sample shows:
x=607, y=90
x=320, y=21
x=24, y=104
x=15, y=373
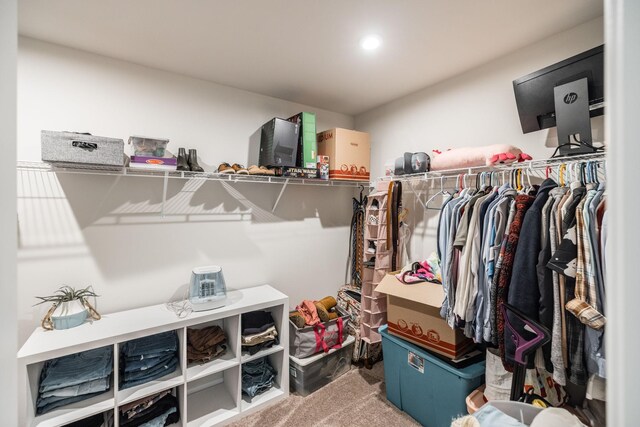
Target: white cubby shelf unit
x=209, y=394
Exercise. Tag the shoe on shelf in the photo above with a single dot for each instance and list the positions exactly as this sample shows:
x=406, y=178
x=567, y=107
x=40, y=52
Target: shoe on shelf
x=192, y=159
x=266, y=171
x=182, y=162
x=372, y=247
x=254, y=170
x=225, y=168
x=371, y=263
x=372, y=220
x=375, y=205
x=239, y=169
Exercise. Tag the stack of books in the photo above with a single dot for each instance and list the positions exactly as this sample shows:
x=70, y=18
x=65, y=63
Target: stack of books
x=166, y=163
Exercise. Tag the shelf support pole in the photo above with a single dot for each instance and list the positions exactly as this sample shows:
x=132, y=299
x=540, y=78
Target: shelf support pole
x=165, y=184
x=284, y=186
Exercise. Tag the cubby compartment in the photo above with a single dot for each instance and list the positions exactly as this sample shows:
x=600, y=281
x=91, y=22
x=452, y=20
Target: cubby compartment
x=162, y=402
x=278, y=315
x=72, y=411
x=374, y=320
x=172, y=378
x=371, y=231
x=100, y=419
x=371, y=247
x=214, y=398
x=374, y=305
x=370, y=333
x=378, y=275
x=281, y=382
x=230, y=358
x=368, y=289
x=376, y=202
x=367, y=275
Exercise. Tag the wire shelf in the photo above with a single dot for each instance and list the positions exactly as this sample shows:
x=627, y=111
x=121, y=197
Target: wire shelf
x=212, y=176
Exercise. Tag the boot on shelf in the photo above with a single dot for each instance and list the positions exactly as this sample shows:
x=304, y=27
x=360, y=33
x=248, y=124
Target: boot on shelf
x=193, y=161
x=183, y=164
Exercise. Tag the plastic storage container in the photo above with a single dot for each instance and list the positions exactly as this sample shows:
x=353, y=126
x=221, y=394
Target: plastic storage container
x=145, y=146
x=311, y=373
x=523, y=412
x=422, y=385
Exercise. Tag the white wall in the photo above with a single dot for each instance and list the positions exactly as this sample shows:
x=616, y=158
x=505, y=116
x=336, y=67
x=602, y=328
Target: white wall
x=472, y=109
x=99, y=230
x=8, y=319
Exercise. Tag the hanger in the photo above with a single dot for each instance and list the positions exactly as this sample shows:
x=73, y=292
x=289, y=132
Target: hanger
x=561, y=170
x=442, y=191
x=528, y=173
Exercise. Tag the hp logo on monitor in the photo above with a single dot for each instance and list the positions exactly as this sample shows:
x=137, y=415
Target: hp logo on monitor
x=570, y=98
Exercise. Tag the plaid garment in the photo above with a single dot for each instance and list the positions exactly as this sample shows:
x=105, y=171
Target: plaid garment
x=564, y=261
x=562, y=282
x=582, y=306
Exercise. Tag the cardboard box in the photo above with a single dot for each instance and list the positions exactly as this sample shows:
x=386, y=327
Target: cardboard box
x=413, y=314
x=307, y=144
x=349, y=153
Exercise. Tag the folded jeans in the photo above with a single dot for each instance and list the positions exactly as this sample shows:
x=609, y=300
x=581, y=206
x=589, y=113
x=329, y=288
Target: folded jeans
x=93, y=386
x=151, y=374
x=76, y=369
x=151, y=345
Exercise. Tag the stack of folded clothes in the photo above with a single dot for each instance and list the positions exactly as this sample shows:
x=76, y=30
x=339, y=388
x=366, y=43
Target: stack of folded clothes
x=99, y=420
x=257, y=376
x=148, y=358
x=258, y=331
x=153, y=411
x=73, y=378
x=205, y=344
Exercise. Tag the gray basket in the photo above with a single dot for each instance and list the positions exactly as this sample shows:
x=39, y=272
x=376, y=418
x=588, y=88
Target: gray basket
x=302, y=341
x=69, y=148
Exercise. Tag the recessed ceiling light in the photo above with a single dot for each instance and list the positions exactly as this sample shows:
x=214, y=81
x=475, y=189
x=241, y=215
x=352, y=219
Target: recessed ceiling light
x=371, y=42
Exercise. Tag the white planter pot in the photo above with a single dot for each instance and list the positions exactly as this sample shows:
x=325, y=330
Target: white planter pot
x=69, y=315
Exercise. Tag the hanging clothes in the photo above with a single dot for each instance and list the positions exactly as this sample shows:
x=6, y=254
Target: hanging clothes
x=541, y=249
x=525, y=291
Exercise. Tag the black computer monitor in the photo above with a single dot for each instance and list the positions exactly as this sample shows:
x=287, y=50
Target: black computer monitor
x=565, y=95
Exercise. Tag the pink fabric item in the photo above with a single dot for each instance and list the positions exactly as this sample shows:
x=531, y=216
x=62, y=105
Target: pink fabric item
x=467, y=157
x=308, y=310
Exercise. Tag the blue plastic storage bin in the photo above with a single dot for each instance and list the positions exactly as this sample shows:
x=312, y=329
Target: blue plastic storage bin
x=426, y=388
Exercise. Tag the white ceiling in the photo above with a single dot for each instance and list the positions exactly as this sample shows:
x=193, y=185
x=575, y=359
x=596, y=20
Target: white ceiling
x=306, y=51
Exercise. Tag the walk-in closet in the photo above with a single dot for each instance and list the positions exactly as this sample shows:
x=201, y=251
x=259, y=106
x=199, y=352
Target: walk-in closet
x=285, y=213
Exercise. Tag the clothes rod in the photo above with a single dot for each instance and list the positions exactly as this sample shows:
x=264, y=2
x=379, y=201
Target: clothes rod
x=530, y=165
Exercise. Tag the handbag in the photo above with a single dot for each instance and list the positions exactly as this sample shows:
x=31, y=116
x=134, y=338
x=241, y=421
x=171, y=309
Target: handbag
x=307, y=341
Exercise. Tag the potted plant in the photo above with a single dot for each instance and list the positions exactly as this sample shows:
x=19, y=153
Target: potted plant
x=70, y=308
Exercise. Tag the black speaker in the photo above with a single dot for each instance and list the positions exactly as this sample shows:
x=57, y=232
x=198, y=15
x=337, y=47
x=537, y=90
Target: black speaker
x=412, y=163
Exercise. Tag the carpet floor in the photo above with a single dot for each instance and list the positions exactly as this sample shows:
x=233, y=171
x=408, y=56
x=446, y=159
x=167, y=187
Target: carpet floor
x=355, y=399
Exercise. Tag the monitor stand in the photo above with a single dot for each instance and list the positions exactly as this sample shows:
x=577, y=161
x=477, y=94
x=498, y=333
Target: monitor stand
x=572, y=118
